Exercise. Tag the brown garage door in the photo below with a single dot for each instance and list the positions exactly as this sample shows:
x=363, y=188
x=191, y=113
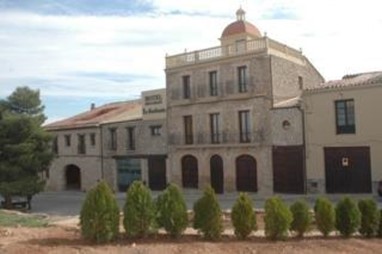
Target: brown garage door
x=347, y=169
x=288, y=169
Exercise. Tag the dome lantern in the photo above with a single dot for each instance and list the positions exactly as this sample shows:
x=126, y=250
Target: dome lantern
x=240, y=14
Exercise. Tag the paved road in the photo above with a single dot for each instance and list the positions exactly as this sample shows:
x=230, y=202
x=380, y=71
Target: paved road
x=67, y=203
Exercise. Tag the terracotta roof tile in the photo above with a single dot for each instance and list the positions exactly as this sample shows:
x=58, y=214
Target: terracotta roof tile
x=113, y=112
x=352, y=80
x=239, y=27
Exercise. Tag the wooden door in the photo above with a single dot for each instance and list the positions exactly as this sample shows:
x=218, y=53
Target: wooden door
x=190, y=176
x=288, y=169
x=246, y=174
x=157, y=173
x=347, y=169
x=217, y=174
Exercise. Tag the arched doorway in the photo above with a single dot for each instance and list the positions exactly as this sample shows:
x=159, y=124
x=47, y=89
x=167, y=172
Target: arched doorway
x=73, y=177
x=190, y=176
x=246, y=173
x=216, y=173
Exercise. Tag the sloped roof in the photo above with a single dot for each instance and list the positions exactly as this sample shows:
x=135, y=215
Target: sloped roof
x=291, y=102
x=353, y=80
x=108, y=113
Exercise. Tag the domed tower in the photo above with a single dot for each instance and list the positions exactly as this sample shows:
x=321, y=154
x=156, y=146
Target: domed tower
x=240, y=30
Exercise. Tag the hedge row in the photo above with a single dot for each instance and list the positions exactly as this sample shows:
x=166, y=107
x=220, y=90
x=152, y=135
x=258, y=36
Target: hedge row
x=143, y=216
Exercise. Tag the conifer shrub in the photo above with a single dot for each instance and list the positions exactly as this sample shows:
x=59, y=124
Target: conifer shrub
x=99, y=216
x=369, y=217
x=379, y=231
x=208, y=215
x=277, y=219
x=302, y=218
x=348, y=217
x=243, y=216
x=139, y=211
x=325, y=216
x=172, y=211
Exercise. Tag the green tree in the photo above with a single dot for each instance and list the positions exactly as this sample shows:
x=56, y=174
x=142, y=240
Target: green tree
x=172, y=211
x=99, y=217
x=302, y=218
x=348, y=217
x=243, y=216
x=325, y=215
x=139, y=211
x=208, y=215
x=277, y=218
x=25, y=147
x=369, y=217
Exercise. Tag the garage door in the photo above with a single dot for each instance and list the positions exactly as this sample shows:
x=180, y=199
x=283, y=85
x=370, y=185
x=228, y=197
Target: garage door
x=288, y=173
x=347, y=169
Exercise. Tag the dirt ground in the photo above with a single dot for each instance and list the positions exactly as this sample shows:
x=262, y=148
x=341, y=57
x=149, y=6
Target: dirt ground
x=66, y=239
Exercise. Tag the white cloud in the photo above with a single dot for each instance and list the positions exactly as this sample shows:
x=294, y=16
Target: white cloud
x=339, y=37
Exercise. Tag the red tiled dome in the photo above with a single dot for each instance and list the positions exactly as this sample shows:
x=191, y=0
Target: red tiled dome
x=241, y=26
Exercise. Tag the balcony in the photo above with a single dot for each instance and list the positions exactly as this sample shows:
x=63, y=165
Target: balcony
x=262, y=45
x=218, y=138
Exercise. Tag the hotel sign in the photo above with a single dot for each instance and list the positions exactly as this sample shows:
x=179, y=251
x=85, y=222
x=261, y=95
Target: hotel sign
x=154, y=104
x=153, y=99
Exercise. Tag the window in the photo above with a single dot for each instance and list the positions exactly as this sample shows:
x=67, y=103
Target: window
x=345, y=120
x=130, y=138
x=92, y=139
x=67, y=140
x=81, y=144
x=186, y=87
x=113, y=139
x=242, y=78
x=244, y=126
x=55, y=145
x=155, y=130
x=188, y=132
x=213, y=82
x=300, y=83
x=215, y=128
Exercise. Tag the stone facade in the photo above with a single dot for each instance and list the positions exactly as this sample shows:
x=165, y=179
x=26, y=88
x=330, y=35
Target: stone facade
x=93, y=154
x=274, y=74
x=321, y=132
x=89, y=163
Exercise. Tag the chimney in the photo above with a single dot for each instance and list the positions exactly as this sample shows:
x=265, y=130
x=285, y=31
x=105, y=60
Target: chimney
x=92, y=106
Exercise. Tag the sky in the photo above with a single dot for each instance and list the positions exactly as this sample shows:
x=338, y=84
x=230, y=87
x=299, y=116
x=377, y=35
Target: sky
x=78, y=52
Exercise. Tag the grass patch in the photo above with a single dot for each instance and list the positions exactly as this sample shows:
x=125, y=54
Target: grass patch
x=27, y=220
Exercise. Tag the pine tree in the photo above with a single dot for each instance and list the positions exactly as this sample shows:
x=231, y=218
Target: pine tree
x=25, y=147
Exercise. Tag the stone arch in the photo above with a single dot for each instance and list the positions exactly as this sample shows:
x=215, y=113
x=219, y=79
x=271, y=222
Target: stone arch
x=217, y=173
x=246, y=173
x=72, y=177
x=190, y=174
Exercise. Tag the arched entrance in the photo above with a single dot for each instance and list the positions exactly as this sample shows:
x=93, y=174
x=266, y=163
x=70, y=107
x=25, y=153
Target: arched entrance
x=73, y=177
x=190, y=176
x=246, y=173
x=216, y=173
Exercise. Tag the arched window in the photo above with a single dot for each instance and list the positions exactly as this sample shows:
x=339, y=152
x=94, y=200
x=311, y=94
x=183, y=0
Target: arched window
x=73, y=177
x=190, y=176
x=217, y=173
x=246, y=173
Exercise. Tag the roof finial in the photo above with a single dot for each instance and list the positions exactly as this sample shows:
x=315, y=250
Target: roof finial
x=240, y=14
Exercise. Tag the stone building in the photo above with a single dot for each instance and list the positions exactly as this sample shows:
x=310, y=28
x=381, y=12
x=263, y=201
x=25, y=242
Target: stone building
x=119, y=142
x=233, y=113
x=343, y=135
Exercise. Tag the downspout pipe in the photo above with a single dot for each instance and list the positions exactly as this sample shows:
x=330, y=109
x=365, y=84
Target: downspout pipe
x=301, y=109
x=101, y=151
